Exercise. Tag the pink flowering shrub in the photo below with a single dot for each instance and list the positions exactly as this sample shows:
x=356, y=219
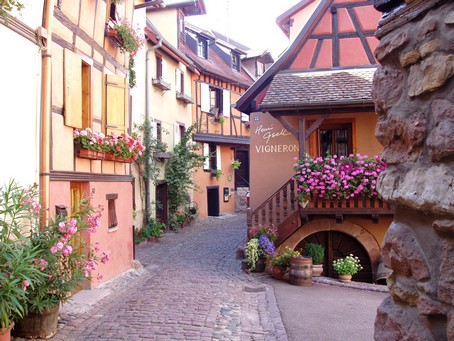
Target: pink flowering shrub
x=64, y=257
x=88, y=139
x=336, y=177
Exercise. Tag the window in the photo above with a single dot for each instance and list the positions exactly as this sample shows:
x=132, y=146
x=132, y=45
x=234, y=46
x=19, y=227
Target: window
x=202, y=48
x=111, y=211
x=213, y=164
x=179, y=81
x=335, y=139
x=158, y=67
x=158, y=132
x=216, y=98
x=236, y=62
x=260, y=68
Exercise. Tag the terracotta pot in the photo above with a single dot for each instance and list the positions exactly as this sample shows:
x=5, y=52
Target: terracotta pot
x=5, y=335
x=317, y=270
x=90, y=154
x=278, y=272
x=38, y=326
x=345, y=278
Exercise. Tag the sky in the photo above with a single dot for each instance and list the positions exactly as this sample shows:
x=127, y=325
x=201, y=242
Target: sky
x=249, y=22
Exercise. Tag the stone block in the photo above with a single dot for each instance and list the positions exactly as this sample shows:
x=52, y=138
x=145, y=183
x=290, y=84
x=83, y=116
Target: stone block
x=409, y=58
x=387, y=88
x=390, y=44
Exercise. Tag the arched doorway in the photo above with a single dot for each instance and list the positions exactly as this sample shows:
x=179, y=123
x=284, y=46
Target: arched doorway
x=338, y=245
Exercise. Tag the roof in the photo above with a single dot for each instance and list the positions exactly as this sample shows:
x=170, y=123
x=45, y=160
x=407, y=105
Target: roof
x=283, y=21
x=153, y=34
x=215, y=65
x=306, y=56
x=189, y=7
x=323, y=88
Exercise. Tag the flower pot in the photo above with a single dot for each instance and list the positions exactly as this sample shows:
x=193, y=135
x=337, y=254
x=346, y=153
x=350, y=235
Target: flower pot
x=345, y=278
x=38, y=326
x=278, y=272
x=5, y=335
x=317, y=270
x=90, y=154
x=260, y=265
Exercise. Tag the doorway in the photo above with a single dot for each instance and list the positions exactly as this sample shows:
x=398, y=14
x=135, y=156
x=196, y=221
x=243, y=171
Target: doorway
x=213, y=201
x=162, y=215
x=338, y=245
x=242, y=173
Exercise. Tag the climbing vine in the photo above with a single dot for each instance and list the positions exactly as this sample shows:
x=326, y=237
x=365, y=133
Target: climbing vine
x=179, y=173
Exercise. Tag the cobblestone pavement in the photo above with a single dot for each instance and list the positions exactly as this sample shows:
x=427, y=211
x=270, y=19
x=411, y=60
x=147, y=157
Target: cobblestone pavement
x=191, y=287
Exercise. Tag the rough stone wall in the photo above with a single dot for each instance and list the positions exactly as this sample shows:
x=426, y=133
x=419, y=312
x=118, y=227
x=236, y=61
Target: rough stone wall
x=414, y=98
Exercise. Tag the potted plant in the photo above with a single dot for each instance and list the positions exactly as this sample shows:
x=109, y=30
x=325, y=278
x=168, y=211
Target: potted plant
x=19, y=268
x=123, y=147
x=62, y=258
x=89, y=144
x=260, y=246
x=317, y=253
x=216, y=173
x=129, y=39
x=236, y=164
x=347, y=267
x=281, y=261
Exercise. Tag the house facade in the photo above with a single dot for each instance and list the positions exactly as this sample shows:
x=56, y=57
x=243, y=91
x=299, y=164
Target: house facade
x=222, y=131
x=316, y=100
x=19, y=125
x=163, y=96
x=76, y=78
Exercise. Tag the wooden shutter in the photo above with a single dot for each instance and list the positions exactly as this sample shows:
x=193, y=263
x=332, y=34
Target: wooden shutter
x=176, y=134
x=116, y=104
x=226, y=103
x=218, y=157
x=178, y=80
x=205, y=97
x=73, y=89
x=206, y=153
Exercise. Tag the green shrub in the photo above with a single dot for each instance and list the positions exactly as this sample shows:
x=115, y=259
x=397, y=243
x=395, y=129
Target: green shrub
x=316, y=251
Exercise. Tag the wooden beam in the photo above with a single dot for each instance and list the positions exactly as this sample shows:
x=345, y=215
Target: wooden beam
x=314, y=126
x=302, y=136
x=286, y=125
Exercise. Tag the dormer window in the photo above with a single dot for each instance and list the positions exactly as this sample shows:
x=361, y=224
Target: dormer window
x=236, y=62
x=202, y=48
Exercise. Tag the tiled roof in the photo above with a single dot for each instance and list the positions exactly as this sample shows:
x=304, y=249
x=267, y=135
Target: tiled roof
x=215, y=65
x=301, y=89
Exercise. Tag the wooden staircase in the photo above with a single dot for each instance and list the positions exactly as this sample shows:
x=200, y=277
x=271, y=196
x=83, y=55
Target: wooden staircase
x=281, y=210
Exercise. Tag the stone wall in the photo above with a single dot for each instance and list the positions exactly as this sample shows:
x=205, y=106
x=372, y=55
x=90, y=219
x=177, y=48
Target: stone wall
x=414, y=98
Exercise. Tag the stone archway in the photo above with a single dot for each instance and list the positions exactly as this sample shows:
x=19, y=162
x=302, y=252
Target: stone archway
x=364, y=237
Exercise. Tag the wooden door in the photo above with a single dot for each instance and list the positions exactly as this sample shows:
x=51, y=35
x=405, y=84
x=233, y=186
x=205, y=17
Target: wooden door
x=338, y=245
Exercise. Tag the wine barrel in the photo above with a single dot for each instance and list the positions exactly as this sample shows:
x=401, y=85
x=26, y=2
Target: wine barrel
x=300, y=272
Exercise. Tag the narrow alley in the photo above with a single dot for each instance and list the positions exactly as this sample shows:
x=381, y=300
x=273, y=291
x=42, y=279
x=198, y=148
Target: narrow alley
x=191, y=287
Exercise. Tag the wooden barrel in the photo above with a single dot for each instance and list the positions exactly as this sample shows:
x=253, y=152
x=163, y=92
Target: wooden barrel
x=36, y=325
x=300, y=272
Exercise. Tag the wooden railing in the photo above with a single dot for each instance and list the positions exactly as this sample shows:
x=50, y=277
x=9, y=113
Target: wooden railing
x=277, y=208
x=281, y=205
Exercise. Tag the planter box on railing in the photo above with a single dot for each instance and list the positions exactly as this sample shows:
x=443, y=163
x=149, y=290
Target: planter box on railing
x=357, y=205
x=111, y=157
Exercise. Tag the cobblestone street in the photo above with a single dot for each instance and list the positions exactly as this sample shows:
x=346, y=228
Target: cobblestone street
x=191, y=287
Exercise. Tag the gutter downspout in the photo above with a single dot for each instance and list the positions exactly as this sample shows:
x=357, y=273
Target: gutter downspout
x=46, y=73
x=148, y=120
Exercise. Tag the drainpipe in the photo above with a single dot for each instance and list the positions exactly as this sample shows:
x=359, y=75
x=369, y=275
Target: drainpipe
x=148, y=118
x=46, y=68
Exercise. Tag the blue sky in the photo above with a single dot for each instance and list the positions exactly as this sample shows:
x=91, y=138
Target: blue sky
x=250, y=22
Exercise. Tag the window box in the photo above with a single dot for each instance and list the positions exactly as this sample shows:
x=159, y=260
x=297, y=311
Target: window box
x=161, y=155
x=112, y=34
x=185, y=98
x=160, y=83
x=90, y=154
